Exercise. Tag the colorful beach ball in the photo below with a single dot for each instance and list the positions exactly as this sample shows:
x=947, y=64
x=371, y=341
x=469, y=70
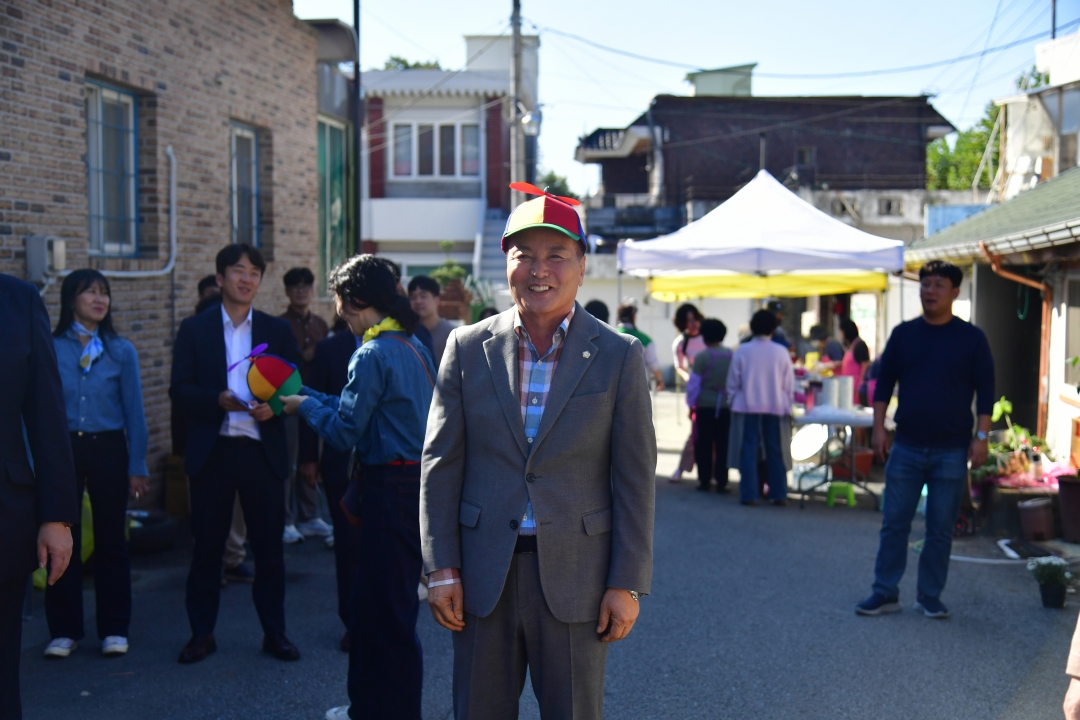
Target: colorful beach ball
x=270, y=378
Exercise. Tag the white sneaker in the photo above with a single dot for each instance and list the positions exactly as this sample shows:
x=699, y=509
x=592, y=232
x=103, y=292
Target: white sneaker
x=114, y=645
x=291, y=535
x=339, y=713
x=60, y=648
x=315, y=527
x=329, y=541
x=421, y=592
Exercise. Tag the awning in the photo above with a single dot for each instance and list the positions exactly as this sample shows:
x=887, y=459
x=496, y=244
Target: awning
x=678, y=287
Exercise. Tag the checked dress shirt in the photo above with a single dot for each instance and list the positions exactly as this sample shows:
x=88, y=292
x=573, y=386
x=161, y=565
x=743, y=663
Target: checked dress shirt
x=535, y=374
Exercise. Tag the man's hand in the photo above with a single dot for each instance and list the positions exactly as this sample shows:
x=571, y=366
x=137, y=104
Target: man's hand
x=310, y=472
x=1072, y=700
x=292, y=403
x=140, y=486
x=880, y=444
x=231, y=403
x=54, y=541
x=978, y=452
x=261, y=412
x=447, y=602
x=618, y=613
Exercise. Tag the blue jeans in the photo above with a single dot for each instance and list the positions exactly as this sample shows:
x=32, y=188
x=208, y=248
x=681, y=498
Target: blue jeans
x=944, y=472
x=758, y=428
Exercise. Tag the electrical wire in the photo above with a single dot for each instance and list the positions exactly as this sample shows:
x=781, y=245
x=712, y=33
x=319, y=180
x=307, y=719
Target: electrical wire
x=978, y=65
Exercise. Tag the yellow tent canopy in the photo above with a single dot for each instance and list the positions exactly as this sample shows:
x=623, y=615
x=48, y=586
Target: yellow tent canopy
x=673, y=288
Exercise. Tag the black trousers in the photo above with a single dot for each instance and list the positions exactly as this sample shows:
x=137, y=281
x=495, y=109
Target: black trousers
x=386, y=666
x=335, y=469
x=101, y=465
x=12, y=595
x=237, y=465
x=712, y=437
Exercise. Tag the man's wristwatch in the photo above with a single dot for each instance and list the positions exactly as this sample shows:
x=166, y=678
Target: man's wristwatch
x=981, y=436
x=634, y=594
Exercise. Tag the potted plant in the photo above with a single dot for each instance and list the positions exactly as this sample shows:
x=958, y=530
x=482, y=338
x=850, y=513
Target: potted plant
x=454, y=299
x=1052, y=574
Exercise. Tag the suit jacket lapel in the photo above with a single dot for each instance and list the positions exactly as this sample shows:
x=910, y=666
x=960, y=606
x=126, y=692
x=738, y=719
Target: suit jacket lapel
x=571, y=368
x=501, y=350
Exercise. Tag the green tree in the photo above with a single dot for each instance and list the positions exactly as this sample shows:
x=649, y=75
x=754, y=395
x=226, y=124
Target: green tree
x=396, y=62
x=952, y=167
x=555, y=184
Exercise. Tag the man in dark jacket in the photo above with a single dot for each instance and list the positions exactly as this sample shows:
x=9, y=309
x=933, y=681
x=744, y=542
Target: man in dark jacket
x=235, y=444
x=38, y=501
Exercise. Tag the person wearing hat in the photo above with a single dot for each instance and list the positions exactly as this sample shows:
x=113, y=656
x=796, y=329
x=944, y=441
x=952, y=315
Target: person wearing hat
x=537, y=484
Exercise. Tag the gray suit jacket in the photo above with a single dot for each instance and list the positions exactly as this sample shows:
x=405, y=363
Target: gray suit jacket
x=590, y=472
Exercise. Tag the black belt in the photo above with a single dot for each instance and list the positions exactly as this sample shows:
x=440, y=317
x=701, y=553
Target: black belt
x=101, y=435
x=240, y=439
x=525, y=544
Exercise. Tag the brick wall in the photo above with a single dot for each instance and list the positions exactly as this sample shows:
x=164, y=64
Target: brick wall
x=196, y=66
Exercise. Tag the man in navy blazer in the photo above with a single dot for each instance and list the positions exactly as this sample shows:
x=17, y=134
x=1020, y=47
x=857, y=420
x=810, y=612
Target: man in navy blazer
x=329, y=373
x=38, y=502
x=235, y=444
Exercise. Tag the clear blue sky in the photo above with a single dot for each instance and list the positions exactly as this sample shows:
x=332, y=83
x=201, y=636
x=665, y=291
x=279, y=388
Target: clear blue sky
x=583, y=88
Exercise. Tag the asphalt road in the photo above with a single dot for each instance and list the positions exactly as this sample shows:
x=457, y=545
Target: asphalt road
x=750, y=617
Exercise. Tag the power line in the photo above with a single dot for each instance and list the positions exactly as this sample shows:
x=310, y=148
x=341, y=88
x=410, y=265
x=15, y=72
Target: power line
x=815, y=76
x=978, y=65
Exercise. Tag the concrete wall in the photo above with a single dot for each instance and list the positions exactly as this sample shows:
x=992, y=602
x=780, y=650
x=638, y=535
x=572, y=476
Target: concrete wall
x=196, y=66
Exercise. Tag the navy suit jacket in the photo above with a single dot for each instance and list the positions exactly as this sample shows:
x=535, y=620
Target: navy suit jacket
x=328, y=373
x=40, y=488
x=199, y=376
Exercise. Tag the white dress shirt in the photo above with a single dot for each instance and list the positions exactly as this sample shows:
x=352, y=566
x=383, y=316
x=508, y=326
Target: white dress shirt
x=238, y=347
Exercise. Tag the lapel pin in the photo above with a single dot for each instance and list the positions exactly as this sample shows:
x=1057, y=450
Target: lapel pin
x=586, y=354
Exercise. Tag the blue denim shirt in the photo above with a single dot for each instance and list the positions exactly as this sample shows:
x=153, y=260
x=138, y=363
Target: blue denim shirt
x=109, y=397
x=383, y=409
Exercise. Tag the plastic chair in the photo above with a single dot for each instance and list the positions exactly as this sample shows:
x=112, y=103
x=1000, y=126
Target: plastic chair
x=844, y=490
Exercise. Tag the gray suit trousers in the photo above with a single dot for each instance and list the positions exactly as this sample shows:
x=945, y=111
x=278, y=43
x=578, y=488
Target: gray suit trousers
x=566, y=660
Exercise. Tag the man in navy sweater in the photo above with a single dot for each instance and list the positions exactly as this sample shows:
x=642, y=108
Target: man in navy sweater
x=941, y=363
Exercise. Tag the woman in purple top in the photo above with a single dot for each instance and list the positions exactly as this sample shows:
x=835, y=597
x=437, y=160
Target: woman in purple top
x=688, y=343
x=760, y=387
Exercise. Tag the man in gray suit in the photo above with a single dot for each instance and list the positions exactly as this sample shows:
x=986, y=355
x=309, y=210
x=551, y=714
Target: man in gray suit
x=537, y=489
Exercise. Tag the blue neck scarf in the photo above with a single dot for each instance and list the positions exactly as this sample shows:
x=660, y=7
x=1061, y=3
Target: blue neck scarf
x=92, y=350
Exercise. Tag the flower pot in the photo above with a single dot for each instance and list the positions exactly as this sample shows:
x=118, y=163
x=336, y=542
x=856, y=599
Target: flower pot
x=1053, y=596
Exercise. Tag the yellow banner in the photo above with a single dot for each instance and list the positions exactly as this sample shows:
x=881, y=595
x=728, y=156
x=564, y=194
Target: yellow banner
x=676, y=288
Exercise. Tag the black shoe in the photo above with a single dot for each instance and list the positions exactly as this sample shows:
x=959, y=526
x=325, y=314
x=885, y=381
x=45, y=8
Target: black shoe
x=749, y=503
x=722, y=489
x=241, y=573
x=703, y=488
x=280, y=647
x=345, y=644
x=198, y=647
x=780, y=503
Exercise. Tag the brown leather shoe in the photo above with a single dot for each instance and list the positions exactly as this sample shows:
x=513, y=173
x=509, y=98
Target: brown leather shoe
x=280, y=647
x=198, y=647
x=345, y=644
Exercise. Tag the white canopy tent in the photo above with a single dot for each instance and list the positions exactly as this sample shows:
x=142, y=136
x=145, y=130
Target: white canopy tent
x=764, y=240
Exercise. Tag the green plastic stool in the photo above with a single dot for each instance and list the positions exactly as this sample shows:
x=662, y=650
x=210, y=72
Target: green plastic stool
x=844, y=490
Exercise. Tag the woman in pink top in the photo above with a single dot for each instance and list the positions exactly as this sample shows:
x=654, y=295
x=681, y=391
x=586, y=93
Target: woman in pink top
x=856, y=357
x=688, y=343
x=761, y=387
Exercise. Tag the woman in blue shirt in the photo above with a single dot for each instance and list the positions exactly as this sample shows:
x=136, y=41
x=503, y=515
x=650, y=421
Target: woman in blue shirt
x=381, y=416
x=103, y=398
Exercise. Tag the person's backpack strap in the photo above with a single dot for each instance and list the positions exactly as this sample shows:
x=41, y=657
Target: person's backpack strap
x=420, y=359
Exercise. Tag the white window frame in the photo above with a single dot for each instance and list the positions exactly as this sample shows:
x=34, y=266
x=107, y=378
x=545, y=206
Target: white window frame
x=237, y=130
x=95, y=93
x=436, y=125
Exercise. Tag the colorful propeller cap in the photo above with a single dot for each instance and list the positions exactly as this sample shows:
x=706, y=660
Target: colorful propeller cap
x=550, y=211
x=270, y=378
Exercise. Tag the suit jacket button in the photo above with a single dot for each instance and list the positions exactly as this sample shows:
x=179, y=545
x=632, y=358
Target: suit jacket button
x=513, y=524
x=530, y=477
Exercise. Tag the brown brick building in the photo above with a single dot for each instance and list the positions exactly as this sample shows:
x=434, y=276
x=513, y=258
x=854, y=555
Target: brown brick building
x=92, y=93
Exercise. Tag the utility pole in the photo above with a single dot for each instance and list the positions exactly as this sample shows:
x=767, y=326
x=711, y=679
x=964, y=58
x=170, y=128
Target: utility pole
x=1053, y=19
x=761, y=151
x=516, y=174
x=357, y=134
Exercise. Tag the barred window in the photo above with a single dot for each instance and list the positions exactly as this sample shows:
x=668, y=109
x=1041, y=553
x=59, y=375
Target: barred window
x=244, y=184
x=112, y=170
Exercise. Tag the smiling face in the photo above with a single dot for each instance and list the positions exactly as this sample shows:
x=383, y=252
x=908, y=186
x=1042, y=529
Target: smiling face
x=544, y=268
x=92, y=304
x=240, y=281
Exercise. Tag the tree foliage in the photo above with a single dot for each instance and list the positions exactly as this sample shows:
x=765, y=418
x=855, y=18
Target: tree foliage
x=953, y=167
x=555, y=184
x=396, y=62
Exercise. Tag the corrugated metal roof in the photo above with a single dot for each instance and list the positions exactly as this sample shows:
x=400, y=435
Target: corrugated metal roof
x=1046, y=215
x=383, y=83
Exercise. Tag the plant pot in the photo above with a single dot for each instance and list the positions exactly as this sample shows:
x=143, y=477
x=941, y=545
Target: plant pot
x=1053, y=596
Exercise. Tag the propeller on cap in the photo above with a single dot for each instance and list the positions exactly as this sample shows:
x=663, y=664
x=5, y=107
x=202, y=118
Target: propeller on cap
x=254, y=351
x=530, y=189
